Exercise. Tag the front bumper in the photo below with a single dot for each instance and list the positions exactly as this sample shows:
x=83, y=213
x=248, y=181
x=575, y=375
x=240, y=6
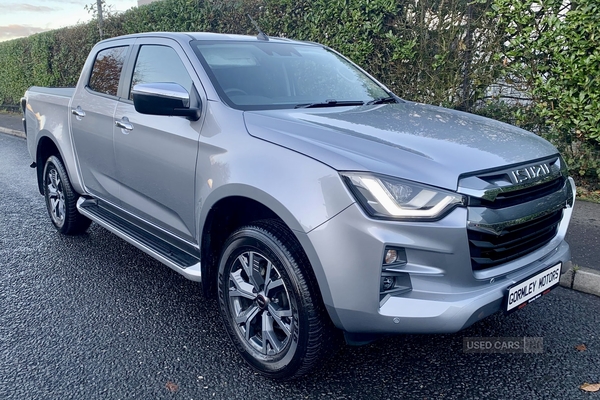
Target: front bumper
x=446, y=295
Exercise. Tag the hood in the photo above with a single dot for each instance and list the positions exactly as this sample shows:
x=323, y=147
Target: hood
x=418, y=142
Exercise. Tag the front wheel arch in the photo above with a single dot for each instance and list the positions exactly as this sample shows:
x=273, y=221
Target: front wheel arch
x=224, y=217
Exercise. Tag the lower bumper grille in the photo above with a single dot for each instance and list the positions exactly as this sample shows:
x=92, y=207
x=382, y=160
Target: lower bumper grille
x=489, y=250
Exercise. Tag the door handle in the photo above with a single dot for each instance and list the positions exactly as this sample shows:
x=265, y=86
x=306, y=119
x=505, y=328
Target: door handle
x=124, y=124
x=78, y=113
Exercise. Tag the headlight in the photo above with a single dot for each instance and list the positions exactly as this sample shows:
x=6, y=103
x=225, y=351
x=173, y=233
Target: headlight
x=386, y=197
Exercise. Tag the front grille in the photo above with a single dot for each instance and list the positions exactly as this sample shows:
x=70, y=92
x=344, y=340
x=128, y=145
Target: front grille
x=489, y=249
x=511, y=198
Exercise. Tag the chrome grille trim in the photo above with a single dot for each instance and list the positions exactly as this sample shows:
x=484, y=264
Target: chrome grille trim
x=488, y=185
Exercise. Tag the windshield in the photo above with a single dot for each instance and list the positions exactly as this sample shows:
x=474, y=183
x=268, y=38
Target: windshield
x=269, y=75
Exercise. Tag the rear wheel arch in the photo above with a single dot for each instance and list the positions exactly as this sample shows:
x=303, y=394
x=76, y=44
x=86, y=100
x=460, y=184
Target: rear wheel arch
x=46, y=148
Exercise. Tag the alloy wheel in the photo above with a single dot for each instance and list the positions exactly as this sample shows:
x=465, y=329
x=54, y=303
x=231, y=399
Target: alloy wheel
x=260, y=304
x=56, y=196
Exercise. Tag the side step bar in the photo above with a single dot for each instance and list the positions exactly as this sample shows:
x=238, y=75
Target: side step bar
x=186, y=264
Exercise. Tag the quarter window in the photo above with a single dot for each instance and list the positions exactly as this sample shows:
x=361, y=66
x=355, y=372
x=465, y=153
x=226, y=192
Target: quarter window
x=159, y=64
x=107, y=70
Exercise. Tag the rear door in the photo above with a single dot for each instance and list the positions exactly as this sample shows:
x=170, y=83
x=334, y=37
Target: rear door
x=156, y=155
x=92, y=119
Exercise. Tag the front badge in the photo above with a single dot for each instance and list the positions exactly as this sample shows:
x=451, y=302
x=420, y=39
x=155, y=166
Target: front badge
x=529, y=173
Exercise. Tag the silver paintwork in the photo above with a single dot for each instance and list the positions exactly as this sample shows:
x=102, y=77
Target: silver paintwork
x=53, y=102
x=169, y=172
x=418, y=142
x=447, y=295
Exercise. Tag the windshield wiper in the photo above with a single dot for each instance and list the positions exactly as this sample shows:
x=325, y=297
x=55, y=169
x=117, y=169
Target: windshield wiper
x=381, y=100
x=330, y=103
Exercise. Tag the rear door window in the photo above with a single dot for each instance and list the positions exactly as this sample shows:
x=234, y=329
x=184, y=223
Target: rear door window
x=107, y=70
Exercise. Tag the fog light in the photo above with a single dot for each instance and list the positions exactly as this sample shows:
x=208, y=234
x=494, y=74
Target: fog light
x=391, y=256
x=387, y=283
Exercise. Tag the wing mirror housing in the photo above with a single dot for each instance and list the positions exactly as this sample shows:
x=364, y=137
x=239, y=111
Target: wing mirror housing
x=164, y=98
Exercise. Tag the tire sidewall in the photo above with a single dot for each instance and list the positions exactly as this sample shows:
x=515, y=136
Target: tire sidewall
x=251, y=239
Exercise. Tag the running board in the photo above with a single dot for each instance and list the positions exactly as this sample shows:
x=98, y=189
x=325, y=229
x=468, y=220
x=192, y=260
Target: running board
x=186, y=264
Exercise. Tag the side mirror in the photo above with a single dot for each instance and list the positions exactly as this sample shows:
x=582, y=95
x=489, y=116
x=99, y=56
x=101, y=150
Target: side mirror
x=163, y=98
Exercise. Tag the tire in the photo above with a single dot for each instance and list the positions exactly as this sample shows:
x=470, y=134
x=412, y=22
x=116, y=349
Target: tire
x=270, y=304
x=61, y=199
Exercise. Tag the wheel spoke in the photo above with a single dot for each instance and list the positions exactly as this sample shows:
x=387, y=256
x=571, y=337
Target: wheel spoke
x=242, y=288
x=255, y=269
x=252, y=268
x=268, y=271
x=52, y=175
x=57, y=209
x=277, y=316
x=54, y=205
x=61, y=208
x=242, y=259
x=247, y=266
x=52, y=192
x=269, y=336
x=246, y=316
x=54, y=179
x=273, y=285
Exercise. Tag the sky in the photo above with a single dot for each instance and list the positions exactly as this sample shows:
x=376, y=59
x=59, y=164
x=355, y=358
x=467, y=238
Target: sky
x=26, y=17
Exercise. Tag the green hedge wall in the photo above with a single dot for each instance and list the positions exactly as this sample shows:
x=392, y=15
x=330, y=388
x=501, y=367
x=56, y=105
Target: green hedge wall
x=51, y=58
x=392, y=39
x=440, y=52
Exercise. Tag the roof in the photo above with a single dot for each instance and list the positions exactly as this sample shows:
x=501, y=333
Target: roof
x=187, y=36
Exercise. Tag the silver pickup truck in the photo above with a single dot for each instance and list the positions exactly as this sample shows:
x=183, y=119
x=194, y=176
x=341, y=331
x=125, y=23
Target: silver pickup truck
x=302, y=193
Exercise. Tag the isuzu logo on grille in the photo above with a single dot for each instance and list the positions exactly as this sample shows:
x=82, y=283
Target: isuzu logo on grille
x=528, y=173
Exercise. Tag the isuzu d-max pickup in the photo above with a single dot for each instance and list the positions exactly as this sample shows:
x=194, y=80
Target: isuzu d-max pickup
x=302, y=193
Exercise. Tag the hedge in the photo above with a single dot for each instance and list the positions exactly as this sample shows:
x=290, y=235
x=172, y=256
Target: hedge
x=393, y=39
x=440, y=52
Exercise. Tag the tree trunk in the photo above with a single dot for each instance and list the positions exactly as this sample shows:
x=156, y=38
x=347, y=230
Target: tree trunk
x=100, y=20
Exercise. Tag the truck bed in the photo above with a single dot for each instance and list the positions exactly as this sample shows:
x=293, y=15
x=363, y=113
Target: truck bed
x=56, y=91
x=47, y=114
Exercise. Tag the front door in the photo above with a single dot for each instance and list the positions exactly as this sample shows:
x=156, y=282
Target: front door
x=156, y=155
